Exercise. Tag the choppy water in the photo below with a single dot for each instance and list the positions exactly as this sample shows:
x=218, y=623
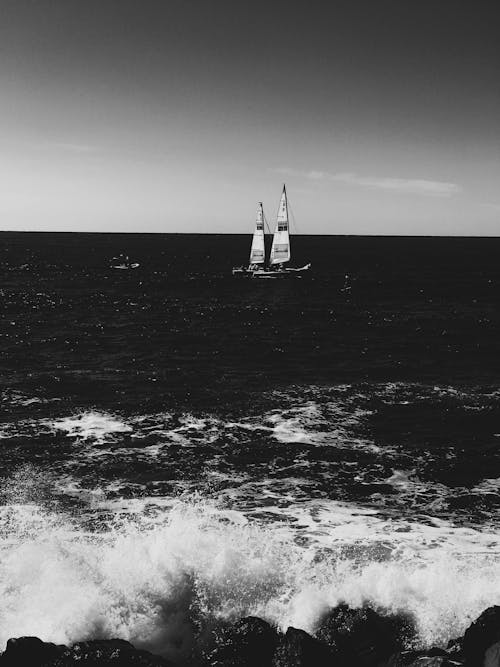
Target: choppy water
x=178, y=444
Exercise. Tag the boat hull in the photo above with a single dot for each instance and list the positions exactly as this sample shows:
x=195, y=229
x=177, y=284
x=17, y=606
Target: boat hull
x=241, y=272
x=281, y=274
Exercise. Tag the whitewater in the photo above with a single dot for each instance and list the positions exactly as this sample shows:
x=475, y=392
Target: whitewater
x=161, y=575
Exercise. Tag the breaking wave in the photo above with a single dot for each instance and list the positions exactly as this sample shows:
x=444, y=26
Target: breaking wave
x=161, y=576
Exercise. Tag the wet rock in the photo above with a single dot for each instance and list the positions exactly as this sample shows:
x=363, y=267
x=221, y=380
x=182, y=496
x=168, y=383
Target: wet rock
x=455, y=648
x=480, y=636
x=401, y=659
x=108, y=652
x=492, y=656
x=248, y=643
x=296, y=648
x=33, y=652
x=30, y=652
x=434, y=657
x=434, y=661
x=362, y=636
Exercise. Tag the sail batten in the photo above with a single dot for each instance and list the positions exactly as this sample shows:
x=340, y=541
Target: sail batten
x=280, y=250
x=258, y=250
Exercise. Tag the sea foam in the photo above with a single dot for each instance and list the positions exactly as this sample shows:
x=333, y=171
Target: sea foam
x=91, y=425
x=159, y=580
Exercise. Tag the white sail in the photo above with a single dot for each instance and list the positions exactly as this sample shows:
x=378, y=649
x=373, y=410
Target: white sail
x=257, y=251
x=280, y=251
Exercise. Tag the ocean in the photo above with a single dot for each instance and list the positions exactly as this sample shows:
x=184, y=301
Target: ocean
x=181, y=447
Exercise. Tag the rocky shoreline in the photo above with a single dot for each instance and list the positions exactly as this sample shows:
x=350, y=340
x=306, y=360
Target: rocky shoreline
x=345, y=638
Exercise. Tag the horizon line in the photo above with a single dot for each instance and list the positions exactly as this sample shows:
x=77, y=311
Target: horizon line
x=116, y=233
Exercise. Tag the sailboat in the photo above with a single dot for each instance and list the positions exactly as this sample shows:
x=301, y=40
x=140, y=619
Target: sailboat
x=257, y=249
x=280, y=249
x=122, y=262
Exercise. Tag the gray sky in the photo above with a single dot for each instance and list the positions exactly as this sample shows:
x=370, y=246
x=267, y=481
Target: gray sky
x=382, y=117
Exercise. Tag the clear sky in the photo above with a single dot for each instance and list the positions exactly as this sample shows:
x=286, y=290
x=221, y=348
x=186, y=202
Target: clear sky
x=382, y=116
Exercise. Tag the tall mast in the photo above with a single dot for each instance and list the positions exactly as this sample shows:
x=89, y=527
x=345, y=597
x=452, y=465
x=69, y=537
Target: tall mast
x=280, y=250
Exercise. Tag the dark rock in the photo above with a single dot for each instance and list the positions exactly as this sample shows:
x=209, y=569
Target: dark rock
x=434, y=661
x=108, y=652
x=401, y=659
x=455, y=648
x=30, y=652
x=33, y=652
x=362, y=636
x=434, y=657
x=250, y=642
x=298, y=649
x=483, y=633
x=492, y=656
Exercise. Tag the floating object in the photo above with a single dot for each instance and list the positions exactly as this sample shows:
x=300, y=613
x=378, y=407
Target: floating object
x=123, y=262
x=280, y=249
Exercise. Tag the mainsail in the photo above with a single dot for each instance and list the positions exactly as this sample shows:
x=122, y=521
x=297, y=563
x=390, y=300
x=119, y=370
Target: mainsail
x=280, y=251
x=257, y=251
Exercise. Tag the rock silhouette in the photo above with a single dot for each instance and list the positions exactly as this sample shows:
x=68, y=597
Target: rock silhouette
x=345, y=638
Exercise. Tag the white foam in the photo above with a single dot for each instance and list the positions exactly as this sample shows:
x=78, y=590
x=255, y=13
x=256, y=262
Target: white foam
x=325, y=423
x=19, y=398
x=91, y=425
x=140, y=578
x=328, y=424
x=488, y=486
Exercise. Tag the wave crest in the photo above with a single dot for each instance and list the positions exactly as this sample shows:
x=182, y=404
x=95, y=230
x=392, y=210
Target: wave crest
x=161, y=582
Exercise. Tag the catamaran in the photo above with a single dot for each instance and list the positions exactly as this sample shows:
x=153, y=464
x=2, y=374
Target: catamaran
x=280, y=249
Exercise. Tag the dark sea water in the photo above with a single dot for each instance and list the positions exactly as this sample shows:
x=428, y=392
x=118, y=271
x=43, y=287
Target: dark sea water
x=177, y=442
